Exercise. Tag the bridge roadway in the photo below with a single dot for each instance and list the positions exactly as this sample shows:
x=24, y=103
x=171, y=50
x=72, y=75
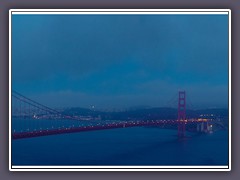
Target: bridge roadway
x=37, y=133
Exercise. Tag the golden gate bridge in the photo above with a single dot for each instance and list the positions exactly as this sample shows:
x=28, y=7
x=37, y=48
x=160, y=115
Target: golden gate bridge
x=33, y=119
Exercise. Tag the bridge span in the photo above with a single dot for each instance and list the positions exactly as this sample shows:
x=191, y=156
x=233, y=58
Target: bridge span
x=46, y=132
x=25, y=107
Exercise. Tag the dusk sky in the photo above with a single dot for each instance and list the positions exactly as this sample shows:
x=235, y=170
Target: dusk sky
x=120, y=61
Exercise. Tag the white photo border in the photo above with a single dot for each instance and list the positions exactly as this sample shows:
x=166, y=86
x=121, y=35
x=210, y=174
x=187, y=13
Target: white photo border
x=121, y=12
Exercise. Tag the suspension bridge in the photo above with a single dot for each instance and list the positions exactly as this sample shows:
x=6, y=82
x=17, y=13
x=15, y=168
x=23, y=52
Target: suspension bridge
x=33, y=119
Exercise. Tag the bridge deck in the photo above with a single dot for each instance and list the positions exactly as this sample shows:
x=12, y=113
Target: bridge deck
x=29, y=134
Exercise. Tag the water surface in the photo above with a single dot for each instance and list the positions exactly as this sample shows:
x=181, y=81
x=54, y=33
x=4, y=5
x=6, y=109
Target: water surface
x=126, y=146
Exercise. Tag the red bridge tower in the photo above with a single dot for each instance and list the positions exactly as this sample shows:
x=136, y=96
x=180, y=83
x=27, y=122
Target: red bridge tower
x=181, y=113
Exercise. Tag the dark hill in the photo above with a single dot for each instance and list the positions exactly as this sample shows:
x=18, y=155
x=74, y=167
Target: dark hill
x=145, y=113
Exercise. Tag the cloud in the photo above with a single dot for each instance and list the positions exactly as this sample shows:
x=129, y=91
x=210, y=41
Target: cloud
x=122, y=60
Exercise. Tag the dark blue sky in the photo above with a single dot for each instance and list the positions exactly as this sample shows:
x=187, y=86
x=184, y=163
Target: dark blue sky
x=115, y=61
